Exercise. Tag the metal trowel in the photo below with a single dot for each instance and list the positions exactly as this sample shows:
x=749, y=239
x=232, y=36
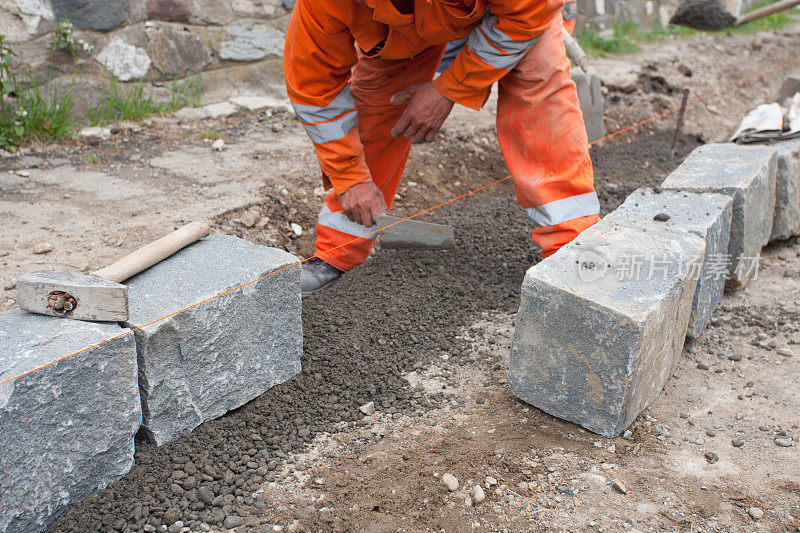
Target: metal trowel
x=414, y=235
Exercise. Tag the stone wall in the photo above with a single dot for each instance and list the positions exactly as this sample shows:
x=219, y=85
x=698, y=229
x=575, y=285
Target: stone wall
x=237, y=44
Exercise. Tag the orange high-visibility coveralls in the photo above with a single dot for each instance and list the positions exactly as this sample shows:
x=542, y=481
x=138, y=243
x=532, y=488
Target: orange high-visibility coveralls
x=344, y=60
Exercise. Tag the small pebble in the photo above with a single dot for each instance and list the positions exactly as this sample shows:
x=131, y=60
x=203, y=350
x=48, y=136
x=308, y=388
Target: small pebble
x=450, y=481
x=661, y=217
x=10, y=286
x=702, y=366
x=297, y=229
x=368, y=408
x=711, y=433
x=737, y=443
x=522, y=486
x=43, y=248
x=786, y=351
x=218, y=145
x=756, y=512
x=232, y=521
x=477, y=494
x=783, y=442
x=491, y=481
x=619, y=486
x=250, y=219
x=712, y=457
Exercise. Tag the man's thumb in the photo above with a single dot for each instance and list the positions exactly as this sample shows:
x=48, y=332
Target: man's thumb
x=402, y=96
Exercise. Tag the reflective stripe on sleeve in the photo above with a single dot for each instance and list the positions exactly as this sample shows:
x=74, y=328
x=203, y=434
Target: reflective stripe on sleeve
x=340, y=222
x=559, y=211
x=331, y=122
x=495, y=47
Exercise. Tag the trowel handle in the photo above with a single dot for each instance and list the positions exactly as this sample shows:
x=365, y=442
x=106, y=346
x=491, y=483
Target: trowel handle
x=764, y=11
x=150, y=254
x=576, y=53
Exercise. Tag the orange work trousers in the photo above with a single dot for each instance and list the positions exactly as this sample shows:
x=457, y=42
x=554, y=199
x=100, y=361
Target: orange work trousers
x=540, y=131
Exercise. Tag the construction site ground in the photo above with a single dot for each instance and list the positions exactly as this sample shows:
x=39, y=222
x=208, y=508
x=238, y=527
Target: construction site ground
x=426, y=336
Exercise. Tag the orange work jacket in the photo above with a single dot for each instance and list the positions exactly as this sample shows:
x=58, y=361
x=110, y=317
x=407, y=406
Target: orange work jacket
x=320, y=53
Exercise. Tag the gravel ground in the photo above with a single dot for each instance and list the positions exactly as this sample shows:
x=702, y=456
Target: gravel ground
x=391, y=316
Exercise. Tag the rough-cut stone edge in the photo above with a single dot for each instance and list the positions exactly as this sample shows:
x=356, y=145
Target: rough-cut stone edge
x=90, y=358
x=788, y=184
x=626, y=413
x=736, y=278
x=697, y=321
x=289, y=267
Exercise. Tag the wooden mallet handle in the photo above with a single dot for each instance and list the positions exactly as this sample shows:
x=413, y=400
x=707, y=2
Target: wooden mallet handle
x=765, y=11
x=150, y=254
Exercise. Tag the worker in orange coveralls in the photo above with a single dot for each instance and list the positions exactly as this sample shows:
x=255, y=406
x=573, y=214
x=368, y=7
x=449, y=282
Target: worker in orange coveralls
x=359, y=74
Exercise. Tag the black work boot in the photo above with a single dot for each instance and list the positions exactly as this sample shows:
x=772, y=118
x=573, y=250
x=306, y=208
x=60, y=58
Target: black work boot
x=316, y=275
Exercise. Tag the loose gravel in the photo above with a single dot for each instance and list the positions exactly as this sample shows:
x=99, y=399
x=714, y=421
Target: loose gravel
x=393, y=315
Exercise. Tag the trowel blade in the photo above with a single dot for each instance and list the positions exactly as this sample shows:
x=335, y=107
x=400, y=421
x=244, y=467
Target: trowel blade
x=414, y=235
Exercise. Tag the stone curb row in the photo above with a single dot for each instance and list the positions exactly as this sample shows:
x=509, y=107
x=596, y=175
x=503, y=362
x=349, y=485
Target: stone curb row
x=602, y=322
x=68, y=429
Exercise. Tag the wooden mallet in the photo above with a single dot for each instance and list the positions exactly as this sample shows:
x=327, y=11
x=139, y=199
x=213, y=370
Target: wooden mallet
x=100, y=296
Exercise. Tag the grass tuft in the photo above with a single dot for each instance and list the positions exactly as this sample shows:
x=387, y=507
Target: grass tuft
x=131, y=104
x=31, y=116
x=209, y=134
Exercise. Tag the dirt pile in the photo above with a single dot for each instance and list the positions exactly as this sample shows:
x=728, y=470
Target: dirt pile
x=389, y=317
x=706, y=15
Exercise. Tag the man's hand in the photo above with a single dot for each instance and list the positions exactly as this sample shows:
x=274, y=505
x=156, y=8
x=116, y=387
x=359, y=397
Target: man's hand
x=362, y=202
x=424, y=115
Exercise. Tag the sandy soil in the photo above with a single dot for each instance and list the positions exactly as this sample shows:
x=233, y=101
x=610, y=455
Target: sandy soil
x=328, y=467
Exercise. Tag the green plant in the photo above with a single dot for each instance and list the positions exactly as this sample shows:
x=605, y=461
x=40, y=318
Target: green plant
x=209, y=134
x=64, y=39
x=92, y=158
x=32, y=116
x=621, y=40
x=6, y=75
x=186, y=93
x=118, y=103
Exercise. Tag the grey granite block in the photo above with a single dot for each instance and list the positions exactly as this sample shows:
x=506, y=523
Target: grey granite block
x=67, y=429
x=707, y=215
x=221, y=353
x=786, y=220
x=602, y=324
x=746, y=174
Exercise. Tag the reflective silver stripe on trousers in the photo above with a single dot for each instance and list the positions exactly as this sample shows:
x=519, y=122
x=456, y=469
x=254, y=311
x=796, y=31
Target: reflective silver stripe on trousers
x=565, y=209
x=332, y=131
x=329, y=129
x=341, y=104
x=485, y=40
x=339, y=222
